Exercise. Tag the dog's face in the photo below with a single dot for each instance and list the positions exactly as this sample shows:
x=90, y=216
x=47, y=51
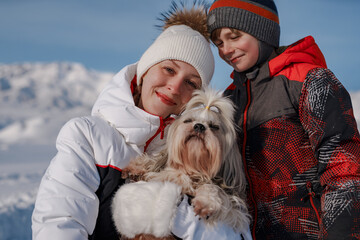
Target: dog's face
x=200, y=140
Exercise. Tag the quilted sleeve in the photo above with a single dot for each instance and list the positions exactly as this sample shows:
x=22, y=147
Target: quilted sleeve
x=67, y=206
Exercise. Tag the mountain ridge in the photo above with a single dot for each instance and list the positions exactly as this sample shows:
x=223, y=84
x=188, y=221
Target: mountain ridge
x=36, y=99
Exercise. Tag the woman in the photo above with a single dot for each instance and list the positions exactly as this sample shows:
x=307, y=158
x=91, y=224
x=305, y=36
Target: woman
x=129, y=117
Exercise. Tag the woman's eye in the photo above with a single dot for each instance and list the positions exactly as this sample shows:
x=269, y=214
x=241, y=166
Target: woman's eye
x=192, y=84
x=169, y=70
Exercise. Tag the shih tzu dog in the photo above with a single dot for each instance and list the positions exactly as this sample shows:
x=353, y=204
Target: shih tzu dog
x=201, y=160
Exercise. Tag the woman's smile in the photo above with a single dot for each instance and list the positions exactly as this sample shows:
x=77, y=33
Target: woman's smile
x=165, y=99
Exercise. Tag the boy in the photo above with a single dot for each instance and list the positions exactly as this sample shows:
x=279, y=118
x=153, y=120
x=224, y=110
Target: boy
x=298, y=135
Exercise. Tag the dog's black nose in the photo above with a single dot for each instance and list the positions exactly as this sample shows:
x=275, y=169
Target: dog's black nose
x=199, y=128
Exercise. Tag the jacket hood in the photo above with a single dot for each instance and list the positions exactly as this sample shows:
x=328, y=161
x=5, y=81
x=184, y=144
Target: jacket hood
x=304, y=51
x=116, y=105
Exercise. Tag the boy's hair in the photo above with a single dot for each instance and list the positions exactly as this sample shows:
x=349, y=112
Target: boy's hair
x=216, y=33
x=258, y=18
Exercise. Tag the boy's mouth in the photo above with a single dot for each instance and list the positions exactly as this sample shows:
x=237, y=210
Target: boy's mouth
x=235, y=59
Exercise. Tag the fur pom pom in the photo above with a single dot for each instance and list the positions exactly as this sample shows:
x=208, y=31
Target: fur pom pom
x=194, y=17
x=145, y=208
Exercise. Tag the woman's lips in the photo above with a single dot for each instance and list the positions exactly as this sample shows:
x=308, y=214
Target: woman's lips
x=165, y=99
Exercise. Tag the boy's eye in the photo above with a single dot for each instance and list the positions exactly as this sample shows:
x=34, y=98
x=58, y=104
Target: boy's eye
x=218, y=43
x=234, y=36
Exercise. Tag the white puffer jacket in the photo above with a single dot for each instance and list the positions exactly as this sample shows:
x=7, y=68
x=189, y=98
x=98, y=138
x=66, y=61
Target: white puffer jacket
x=76, y=191
x=67, y=205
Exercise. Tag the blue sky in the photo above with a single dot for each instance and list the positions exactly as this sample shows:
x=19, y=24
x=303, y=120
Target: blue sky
x=106, y=35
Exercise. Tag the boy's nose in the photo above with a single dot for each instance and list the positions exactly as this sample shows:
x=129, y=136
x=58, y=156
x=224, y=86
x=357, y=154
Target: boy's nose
x=227, y=49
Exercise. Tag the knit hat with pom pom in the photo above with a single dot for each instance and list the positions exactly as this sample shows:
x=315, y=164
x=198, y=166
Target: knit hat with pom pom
x=185, y=38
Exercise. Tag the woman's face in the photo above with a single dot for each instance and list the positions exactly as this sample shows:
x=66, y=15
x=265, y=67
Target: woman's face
x=239, y=49
x=167, y=87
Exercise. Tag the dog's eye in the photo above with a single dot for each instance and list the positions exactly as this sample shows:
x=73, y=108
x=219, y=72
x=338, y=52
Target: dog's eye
x=189, y=120
x=214, y=127
x=200, y=106
x=214, y=109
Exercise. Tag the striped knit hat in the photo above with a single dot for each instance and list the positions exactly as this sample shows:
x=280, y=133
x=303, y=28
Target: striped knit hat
x=258, y=18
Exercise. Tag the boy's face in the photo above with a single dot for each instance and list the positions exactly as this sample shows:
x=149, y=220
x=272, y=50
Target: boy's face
x=239, y=49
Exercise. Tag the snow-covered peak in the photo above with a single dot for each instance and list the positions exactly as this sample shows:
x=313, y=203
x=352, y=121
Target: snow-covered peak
x=36, y=99
x=49, y=85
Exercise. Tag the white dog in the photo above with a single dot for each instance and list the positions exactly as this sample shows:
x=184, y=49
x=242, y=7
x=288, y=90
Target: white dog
x=201, y=160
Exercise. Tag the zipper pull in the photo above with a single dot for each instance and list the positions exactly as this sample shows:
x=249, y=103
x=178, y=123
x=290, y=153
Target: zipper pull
x=310, y=193
x=309, y=188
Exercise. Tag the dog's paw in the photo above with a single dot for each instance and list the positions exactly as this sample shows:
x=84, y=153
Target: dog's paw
x=125, y=172
x=134, y=174
x=203, y=208
x=206, y=201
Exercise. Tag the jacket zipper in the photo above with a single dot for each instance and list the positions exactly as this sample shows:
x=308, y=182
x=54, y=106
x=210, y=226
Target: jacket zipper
x=161, y=129
x=311, y=194
x=244, y=151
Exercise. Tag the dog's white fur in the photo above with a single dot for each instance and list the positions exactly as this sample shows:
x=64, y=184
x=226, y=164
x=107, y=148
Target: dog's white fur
x=202, y=157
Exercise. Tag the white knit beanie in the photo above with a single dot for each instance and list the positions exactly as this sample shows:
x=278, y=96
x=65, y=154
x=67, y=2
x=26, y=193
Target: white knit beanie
x=180, y=42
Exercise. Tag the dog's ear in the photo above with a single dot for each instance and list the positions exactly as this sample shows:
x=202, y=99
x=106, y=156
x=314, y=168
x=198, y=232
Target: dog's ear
x=232, y=171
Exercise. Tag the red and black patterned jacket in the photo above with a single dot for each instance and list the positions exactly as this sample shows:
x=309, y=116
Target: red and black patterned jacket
x=300, y=145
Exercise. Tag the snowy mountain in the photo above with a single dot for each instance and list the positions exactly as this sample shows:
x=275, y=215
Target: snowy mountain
x=36, y=99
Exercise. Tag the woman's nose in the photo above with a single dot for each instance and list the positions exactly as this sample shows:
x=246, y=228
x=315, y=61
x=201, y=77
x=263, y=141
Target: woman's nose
x=175, y=84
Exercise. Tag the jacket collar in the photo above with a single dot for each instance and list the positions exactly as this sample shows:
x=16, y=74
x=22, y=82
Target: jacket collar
x=302, y=51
